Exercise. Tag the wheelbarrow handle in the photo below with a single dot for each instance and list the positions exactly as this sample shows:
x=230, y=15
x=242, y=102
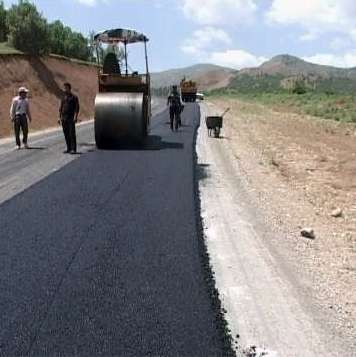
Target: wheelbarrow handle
x=227, y=110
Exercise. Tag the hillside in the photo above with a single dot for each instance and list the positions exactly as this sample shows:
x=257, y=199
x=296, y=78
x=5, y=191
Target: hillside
x=286, y=72
x=290, y=84
x=207, y=76
x=287, y=65
x=44, y=78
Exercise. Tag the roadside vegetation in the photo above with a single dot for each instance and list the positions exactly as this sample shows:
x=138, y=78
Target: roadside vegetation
x=329, y=99
x=23, y=29
x=7, y=49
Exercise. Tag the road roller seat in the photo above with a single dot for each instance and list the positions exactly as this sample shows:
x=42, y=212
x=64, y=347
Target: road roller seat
x=111, y=64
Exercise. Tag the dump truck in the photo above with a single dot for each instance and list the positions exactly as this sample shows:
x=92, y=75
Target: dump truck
x=188, y=90
x=123, y=101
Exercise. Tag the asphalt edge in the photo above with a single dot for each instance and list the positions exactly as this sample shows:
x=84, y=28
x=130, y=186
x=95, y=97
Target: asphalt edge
x=226, y=338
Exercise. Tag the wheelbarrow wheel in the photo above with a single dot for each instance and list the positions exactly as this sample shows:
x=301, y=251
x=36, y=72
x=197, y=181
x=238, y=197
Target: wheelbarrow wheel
x=217, y=132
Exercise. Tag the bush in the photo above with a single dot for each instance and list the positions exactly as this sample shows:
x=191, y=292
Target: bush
x=28, y=29
x=299, y=89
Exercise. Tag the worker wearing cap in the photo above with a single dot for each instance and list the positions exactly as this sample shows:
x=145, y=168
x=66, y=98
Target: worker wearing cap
x=19, y=114
x=68, y=117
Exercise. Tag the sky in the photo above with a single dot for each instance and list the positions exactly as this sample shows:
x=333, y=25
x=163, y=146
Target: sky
x=232, y=33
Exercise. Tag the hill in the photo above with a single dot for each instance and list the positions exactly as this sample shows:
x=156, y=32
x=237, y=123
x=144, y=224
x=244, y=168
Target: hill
x=44, y=77
x=287, y=65
x=285, y=72
x=291, y=84
x=207, y=76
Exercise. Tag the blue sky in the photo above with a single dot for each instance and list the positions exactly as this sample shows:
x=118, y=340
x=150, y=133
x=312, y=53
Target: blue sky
x=234, y=33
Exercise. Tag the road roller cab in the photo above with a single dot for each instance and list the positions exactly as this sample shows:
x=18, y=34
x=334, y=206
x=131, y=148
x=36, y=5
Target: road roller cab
x=123, y=104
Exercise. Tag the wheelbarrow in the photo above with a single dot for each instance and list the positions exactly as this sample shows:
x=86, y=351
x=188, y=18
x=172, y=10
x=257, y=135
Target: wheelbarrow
x=215, y=123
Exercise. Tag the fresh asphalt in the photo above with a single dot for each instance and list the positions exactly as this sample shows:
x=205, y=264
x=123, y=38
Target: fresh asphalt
x=103, y=256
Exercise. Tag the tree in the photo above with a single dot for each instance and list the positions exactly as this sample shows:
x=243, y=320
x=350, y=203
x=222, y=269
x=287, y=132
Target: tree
x=91, y=46
x=3, y=26
x=58, y=35
x=28, y=29
x=77, y=46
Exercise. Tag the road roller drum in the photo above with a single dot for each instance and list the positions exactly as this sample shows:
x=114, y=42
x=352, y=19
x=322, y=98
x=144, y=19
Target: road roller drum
x=119, y=116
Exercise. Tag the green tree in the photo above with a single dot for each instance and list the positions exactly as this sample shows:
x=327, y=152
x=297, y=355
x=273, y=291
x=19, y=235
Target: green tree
x=3, y=26
x=28, y=29
x=77, y=46
x=58, y=36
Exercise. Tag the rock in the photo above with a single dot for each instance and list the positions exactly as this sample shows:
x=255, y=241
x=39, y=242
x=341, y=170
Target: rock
x=308, y=233
x=337, y=212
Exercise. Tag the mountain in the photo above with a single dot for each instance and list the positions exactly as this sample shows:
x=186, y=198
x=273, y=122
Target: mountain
x=285, y=72
x=208, y=76
x=287, y=65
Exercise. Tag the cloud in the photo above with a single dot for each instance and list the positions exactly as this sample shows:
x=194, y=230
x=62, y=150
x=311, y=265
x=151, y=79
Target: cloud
x=209, y=44
x=219, y=12
x=203, y=39
x=316, y=17
x=236, y=58
x=92, y=2
x=345, y=60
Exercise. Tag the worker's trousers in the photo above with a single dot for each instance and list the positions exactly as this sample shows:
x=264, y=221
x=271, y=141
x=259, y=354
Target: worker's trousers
x=20, y=123
x=174, y=113
x=68, y=126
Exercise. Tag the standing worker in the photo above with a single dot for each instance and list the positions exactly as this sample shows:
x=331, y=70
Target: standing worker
x=175, y=108
x=68, y=117
x=19, y=113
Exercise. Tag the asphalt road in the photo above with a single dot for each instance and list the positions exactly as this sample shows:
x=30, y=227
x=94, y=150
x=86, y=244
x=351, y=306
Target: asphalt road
x=21, y=169
x=102, y=257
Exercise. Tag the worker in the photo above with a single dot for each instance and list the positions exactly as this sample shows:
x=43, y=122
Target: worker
x=68, y=117
x=175, y=108
x=19, y=114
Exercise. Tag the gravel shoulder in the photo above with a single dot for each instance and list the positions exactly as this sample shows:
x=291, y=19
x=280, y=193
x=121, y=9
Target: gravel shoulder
x=268, y=177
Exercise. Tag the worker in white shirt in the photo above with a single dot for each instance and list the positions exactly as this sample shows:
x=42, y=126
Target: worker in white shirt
x=19, y=114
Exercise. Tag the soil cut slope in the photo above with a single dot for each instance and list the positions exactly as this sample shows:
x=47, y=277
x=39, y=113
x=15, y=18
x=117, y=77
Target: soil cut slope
x=44, y=78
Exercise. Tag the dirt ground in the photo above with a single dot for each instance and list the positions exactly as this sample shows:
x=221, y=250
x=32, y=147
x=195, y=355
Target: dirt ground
x=44, y=78
x=300, y=169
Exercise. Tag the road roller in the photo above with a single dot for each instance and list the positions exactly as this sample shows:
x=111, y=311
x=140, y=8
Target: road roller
x=123, y=101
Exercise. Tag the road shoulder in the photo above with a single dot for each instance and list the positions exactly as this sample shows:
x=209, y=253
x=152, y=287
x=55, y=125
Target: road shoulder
x=265, y=302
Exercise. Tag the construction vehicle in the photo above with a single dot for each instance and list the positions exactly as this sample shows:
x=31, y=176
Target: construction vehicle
x=123, y=103
x=200, y=96
x=188, y=90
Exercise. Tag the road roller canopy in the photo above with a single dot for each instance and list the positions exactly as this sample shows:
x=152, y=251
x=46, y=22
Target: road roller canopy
x=120, y=35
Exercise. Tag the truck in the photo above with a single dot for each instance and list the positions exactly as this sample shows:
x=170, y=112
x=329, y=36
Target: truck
x=188, y=90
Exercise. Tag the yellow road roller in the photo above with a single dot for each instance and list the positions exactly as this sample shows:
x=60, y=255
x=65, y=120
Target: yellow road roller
x=123, y=103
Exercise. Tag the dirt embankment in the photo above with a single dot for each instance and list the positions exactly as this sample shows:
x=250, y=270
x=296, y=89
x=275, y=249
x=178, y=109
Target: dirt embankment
x=302, y=171
x=214, y=80
x=44, y=78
